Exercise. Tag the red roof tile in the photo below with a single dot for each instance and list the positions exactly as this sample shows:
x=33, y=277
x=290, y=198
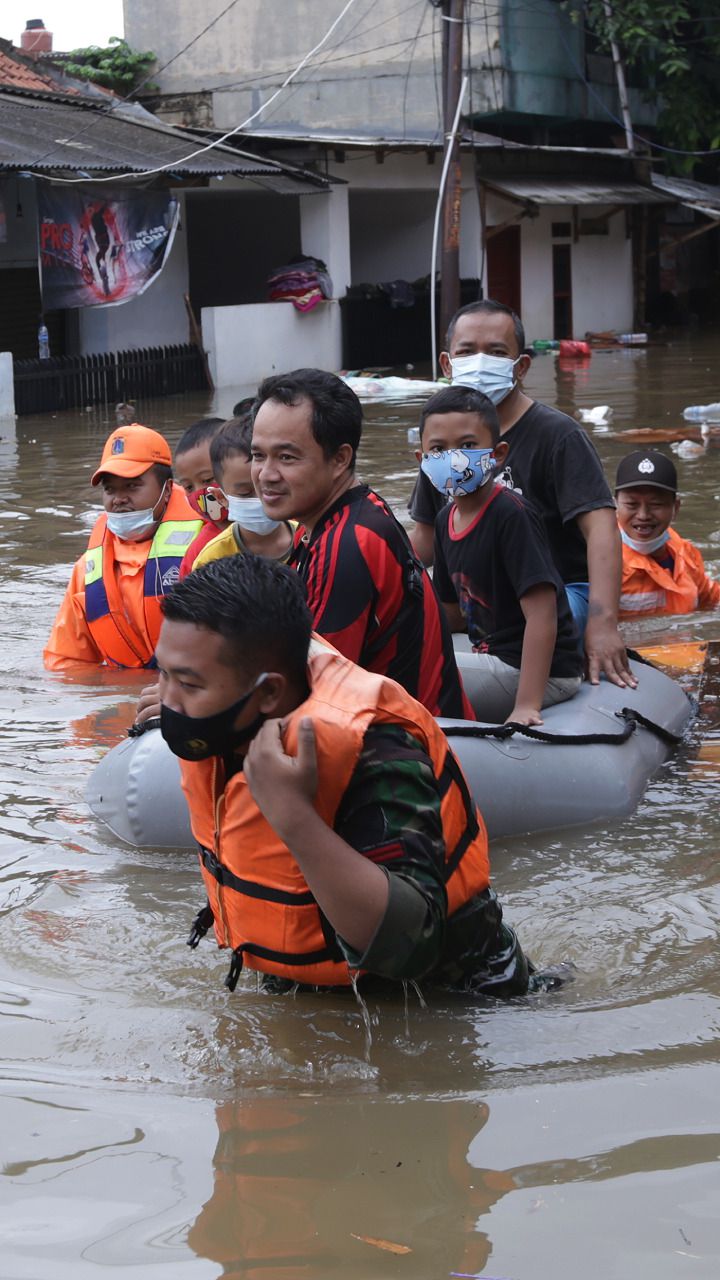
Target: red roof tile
x=16, y=74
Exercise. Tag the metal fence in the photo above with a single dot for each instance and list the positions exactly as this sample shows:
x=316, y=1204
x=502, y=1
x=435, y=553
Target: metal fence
x=72, y=382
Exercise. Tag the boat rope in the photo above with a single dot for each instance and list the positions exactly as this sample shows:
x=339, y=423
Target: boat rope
x=137, y=730
x=629, y=715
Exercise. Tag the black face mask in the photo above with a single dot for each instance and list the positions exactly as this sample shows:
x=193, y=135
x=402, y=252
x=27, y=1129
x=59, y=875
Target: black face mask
x=198, y=737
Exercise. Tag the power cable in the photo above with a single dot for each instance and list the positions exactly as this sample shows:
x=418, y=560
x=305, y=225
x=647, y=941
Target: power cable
x=423, y=15
x=120, y=99
x=231, y=132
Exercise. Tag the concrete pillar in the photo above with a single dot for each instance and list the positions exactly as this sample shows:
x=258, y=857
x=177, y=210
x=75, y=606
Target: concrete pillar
x=325, y=233
x=7, y=388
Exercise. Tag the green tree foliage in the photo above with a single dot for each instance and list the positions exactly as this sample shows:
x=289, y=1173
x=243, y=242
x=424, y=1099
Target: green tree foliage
x=673, y=47
x=116, y=67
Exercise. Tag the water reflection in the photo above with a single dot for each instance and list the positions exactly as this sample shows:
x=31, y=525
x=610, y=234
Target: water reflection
x=150, y=1120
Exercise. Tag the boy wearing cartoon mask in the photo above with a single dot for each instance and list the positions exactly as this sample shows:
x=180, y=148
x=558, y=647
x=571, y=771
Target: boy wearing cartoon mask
x=194, y=473
x=551, y=462
x=493, y=569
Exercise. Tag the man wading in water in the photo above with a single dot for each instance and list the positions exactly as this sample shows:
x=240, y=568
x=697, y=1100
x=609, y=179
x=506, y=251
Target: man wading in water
x=336, y=831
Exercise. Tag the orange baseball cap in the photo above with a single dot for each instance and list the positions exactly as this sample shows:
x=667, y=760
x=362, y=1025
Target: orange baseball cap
x=130, y=451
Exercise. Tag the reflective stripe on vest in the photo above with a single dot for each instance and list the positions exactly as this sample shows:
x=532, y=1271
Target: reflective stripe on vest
x=124, y=646
x=261, y=903
x=643, y=601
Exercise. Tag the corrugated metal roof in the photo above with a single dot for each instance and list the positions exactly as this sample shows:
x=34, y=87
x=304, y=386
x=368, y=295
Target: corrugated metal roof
x=46, y=136
x=549, y=190
x=697, y=195
x=388, y=138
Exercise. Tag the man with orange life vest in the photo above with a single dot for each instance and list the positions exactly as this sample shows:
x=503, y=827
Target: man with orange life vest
x=111, y=609
x=336, y=831
x=662, y=572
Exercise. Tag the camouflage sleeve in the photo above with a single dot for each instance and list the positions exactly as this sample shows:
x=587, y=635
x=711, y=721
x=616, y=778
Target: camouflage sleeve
x=391, y=814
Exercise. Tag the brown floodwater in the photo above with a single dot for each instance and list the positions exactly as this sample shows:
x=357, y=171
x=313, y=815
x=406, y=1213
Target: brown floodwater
x=153, y=1125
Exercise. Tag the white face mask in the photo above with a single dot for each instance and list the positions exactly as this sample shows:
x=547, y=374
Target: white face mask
x=494, y=376
x=249, y=514
x=133, y=526
x=645, y=546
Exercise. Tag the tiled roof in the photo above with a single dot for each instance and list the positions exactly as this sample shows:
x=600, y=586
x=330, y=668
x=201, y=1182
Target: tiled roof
x=16, y=73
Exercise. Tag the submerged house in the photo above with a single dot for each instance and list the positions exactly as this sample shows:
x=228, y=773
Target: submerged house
x=557, y=218
x=59, y=135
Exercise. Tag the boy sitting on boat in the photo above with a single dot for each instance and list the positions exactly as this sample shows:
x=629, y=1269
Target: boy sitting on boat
x=662, y=572
x=493, y=568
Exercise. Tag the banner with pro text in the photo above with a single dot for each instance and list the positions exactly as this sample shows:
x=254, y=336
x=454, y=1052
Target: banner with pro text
x=103, y=247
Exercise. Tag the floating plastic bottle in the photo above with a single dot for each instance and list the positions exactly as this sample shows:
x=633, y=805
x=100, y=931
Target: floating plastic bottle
x=702, y=412
x=632, y=339
x=545, y=344
x=413, y=435
x=43, y=343
x=571, y=347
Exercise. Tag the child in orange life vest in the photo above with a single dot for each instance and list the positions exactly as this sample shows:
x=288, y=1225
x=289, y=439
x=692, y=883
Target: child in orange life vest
x=193, y=472
x=662, y=572
x=493, y=569
x=111, y=609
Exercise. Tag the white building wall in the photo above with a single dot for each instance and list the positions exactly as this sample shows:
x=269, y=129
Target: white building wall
x=392, y=210
x=246, y=344
x=157, y=318
x=602, y=277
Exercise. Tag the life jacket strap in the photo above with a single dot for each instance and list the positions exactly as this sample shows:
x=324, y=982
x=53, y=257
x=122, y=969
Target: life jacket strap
x=236, y=967
x=200, y=925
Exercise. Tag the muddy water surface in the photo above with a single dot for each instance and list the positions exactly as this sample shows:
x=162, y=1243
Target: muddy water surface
x=154, y=1126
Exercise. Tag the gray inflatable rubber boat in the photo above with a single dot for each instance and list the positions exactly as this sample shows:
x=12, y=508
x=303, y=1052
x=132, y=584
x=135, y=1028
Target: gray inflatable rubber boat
x=521, y=784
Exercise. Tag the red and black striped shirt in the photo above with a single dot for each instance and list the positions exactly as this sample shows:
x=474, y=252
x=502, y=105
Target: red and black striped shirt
x=373, y=600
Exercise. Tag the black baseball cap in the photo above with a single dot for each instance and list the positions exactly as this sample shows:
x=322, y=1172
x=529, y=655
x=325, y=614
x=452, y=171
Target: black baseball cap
x=646, y=467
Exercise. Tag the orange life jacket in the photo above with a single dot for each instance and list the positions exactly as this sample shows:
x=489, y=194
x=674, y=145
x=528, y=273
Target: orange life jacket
x=120, y=644
x=260, y=902
x=649, y=589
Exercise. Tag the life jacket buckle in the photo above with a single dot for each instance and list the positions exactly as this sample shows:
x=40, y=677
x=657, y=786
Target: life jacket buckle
x=236, y=966
x=200, y=925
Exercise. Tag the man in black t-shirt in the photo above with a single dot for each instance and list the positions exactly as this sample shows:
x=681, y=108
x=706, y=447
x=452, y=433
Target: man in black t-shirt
x=550, y=461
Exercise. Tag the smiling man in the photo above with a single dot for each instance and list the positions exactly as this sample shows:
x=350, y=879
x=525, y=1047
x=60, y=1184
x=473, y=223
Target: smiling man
x=110, y=612
x=367, y=592
x=552, y=463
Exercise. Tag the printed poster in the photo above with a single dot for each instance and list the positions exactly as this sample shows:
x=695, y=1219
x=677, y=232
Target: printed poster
x=102, y=247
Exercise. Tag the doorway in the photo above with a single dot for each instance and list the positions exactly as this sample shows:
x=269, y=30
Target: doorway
x=562, y=291
x=503, y=267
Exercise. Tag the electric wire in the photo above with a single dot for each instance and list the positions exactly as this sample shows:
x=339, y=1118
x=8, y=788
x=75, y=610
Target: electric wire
x=230, y=133
x=119, y=100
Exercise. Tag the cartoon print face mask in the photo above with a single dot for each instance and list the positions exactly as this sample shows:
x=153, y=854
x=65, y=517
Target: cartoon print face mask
x=458, y=472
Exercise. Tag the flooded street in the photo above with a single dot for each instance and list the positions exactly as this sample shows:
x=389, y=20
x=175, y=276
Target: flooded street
x=155, y=1126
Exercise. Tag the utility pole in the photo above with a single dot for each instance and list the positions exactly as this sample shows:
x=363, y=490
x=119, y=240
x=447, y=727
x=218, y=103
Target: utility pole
x=620, y=77
x=453, y=19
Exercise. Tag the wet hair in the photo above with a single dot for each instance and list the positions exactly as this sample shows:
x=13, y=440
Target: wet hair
x=196, y=434
x=336, y=410
x=488, y=306
x=234, y=436
x=462, y=400
x=257, y=605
